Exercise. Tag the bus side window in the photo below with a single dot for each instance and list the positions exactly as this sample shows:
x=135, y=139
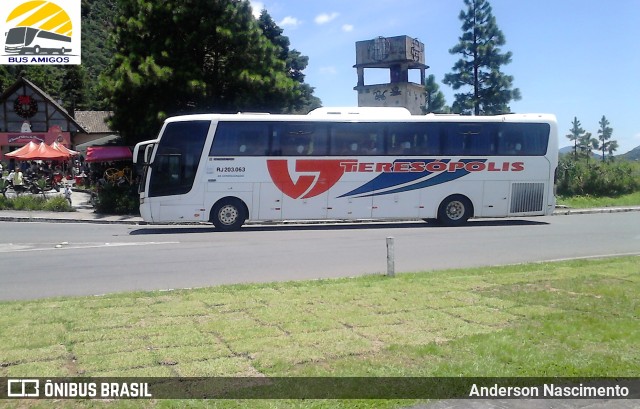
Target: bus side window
x=405, y=139
x=299, y=139
x=427, y=139
x=401, y=144
x=224, y=144
x=510, y=143
x=522, y=139
x=453, y=141
x=240, y=139
x=479, y=140
x=356, y=139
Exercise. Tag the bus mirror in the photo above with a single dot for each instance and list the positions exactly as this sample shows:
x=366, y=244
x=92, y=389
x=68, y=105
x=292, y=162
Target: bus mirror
x=148, y=150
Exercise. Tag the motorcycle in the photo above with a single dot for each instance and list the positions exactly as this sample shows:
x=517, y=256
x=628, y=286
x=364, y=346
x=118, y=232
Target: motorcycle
x=42, y=185
x=18, y=189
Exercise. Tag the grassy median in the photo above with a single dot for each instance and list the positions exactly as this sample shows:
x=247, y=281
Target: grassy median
x=577, y=318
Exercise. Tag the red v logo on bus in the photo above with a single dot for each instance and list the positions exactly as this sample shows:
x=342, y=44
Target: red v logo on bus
x=327, y=173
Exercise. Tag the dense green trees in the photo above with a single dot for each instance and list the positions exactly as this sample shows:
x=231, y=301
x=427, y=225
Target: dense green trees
x=186, y=56
x=480, y=63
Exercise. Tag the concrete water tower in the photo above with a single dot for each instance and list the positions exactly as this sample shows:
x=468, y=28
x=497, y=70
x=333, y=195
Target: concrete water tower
x=398, y=55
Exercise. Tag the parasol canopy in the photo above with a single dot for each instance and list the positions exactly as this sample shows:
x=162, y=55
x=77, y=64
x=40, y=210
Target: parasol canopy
x=59, y=147
x=31, y=146
x=43, y=152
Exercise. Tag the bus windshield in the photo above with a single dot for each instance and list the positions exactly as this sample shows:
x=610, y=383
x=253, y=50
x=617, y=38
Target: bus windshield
x=177, y=158
x=16, y=35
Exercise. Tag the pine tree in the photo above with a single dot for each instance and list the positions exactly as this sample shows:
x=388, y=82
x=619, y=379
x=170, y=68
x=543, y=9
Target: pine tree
x=604, y=135
x=72, y=90
x=585, y=144
x=479, y=67
x=575, y=134
x=434, y=101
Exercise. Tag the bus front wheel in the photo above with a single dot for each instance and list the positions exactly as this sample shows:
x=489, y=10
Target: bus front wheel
x=228, y=214
x=455, y=210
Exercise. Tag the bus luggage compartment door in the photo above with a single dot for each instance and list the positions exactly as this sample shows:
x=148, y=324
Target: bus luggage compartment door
x=495, y=200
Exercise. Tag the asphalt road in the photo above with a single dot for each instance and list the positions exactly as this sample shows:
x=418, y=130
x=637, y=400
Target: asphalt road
x=52, y=259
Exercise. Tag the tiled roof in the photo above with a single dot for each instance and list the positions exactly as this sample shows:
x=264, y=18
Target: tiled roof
x=94, y=121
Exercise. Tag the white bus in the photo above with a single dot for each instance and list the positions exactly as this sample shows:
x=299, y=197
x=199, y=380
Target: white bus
x=337, y=164
x=21, y=40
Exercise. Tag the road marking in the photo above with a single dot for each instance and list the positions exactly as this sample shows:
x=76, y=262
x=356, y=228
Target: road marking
x=27, y=247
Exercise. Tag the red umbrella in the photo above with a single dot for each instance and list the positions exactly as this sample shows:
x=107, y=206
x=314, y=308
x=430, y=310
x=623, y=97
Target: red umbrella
x=43, y=152
x=59, y=147
x=31, y=146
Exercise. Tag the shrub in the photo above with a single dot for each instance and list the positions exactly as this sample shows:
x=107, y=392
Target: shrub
x=6, y=203
x=114, y=199
x=576, y=178
x=57, y=204
x=28, y=202
x=36, y=202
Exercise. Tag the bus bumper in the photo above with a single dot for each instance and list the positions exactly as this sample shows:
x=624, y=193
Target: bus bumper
x=145, y=210
x=13, y=50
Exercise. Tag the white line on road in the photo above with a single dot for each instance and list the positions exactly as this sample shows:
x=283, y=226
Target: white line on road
x=15, y=248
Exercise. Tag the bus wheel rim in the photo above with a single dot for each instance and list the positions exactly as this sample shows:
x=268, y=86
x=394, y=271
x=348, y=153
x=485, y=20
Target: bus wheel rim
x=455, y=210
x=228, y=215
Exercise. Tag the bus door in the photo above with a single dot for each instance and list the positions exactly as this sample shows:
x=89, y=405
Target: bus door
x=268, y=202
x=175, y=189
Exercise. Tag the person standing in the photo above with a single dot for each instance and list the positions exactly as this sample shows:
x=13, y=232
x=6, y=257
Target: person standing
x=18, y=177
x=67, y=193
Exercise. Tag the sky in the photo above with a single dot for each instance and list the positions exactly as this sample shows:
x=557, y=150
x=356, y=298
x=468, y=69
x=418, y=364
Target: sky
x=571, y=58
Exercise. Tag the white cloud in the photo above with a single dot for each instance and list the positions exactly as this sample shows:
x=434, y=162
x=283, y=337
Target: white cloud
x=256, y=7
x=325, y=18
x=289, y=22
x=347, y=27
x=331, y=70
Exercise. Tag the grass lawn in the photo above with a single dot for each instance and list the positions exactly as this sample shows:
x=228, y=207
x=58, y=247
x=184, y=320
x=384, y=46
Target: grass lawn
x=577, y=318
x=585, y=202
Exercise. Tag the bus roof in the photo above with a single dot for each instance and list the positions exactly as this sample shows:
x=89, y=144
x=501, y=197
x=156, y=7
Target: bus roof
x=363, y=114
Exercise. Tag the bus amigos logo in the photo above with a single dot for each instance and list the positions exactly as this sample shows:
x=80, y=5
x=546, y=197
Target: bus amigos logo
x=40, y=32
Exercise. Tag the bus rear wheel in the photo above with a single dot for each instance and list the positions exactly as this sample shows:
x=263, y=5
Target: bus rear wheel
x=228, y=215
x=455, y=210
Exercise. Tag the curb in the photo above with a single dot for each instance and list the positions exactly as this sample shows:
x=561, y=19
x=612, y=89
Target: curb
x=27, y=219
x=563, y=212
x=85, y=217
